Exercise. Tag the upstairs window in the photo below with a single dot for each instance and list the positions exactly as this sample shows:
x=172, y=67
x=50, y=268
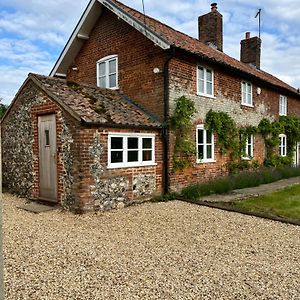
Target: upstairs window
x=247, y=93
x=130, y=150
x=107, y=72
x=205, y=145
x=282, y=105
x=282, y=145
x=205, y=81
x=248, y=151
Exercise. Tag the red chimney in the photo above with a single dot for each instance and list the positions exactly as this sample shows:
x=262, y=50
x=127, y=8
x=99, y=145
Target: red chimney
x=251, y=50
x=211, y=28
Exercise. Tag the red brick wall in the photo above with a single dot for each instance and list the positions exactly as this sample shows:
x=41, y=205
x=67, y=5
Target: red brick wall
x=87, y=136
x=137, y=58
x=227, y=87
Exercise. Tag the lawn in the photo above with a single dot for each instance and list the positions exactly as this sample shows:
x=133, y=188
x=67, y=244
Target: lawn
x=283, y=204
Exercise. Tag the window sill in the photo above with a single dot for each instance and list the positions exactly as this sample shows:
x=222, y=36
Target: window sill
x=206, y=96
x=247, y=105
x=207, y=161
x=126, y=166
x=247, y=158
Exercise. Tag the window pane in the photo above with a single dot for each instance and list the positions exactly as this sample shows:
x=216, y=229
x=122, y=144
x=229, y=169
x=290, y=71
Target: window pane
x=208, y=138
x=112, y=80
x=133, y=143
x=116, y=143
x=200, y=152
x=209, y=88
x=209, y=75
x=200, y=136
x=133, y=156
x=200, y=86
x=102, y=82
x=243, y=88
x=147, y=155
x=47, y=136
x=102, y=69
x=116, y=156
x=201, y=73
x=147, y=143
x=249, y=150
x=209, y=152
x=112, y=66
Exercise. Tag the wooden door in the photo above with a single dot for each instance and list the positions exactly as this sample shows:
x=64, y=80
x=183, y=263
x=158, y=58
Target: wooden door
x=297, y=155
x=47, y=158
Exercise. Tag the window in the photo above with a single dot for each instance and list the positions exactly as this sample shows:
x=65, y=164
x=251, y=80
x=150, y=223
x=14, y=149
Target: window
x=282, y=106
x=247, y=93
x=205, y=81
x=130, y=150
x=282, y=145
x=205, y=145
x=107, y=72
x=248, y=151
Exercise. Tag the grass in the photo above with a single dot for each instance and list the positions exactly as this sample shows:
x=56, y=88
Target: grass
x=239, y=181
x=283, y=204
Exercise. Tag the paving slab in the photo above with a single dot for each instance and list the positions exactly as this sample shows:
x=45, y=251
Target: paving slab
x=258, y=191
x=37, y=207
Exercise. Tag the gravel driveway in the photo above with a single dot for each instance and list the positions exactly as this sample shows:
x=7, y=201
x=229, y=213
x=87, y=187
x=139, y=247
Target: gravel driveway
x=169, y=250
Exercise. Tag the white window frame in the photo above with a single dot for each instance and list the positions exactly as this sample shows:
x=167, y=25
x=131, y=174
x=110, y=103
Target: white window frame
x=282, y=105
x=106, y=60
x=283, y=145
x=125, y=163
x=205, y=159
x=247, y=96
x=205, y=82
x=247, y=155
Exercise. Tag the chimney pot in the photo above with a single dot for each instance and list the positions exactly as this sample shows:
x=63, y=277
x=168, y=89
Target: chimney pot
x=214, y=6
x=251, y=50
x=210, y=28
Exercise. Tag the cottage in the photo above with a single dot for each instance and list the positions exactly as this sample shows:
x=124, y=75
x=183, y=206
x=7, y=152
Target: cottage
x=94, y=135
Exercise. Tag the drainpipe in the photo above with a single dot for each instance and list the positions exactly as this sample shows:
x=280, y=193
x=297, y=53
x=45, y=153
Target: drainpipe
x=165, y=130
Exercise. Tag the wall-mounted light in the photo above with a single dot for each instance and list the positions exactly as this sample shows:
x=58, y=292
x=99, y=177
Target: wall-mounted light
x=75, y=69
x=156, y=71
x=258, y=91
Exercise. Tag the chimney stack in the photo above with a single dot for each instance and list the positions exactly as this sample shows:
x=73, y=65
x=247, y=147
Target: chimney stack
x=251, y=50
x=210, y=28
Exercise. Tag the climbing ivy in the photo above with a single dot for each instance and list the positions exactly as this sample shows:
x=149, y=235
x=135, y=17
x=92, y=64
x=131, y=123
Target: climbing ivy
x=181, y=124
x=270, y=131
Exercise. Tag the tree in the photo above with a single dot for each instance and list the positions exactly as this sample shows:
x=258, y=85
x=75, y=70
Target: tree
x=3, y=108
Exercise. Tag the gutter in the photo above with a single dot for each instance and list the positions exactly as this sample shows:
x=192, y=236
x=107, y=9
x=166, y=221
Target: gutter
x=165, y=128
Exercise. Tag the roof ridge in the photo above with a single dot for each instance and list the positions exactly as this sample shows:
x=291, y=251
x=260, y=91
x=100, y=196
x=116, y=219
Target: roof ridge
x=234, y=63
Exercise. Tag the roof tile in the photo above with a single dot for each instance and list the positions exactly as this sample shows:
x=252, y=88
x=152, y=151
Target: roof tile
x=96, y=105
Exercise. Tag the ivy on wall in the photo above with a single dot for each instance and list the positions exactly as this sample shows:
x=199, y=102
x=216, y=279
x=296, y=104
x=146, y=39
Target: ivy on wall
x=231, y=139
x=181, y=124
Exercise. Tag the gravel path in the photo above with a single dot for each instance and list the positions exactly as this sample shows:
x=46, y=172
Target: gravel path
x=169, y=250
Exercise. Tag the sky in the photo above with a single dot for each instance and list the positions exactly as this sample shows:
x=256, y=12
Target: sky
x=34, y=32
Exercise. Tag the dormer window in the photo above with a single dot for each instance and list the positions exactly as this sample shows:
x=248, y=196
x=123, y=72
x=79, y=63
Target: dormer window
x=107, y=72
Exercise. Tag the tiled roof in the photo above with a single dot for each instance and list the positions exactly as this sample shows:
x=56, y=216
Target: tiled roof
x=192, y=45
x=96, y=105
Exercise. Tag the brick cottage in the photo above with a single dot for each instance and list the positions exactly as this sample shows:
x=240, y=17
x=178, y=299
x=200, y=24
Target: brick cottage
x=94, y=135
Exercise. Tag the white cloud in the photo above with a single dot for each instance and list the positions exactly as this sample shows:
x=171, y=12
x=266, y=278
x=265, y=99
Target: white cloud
x=33, y=32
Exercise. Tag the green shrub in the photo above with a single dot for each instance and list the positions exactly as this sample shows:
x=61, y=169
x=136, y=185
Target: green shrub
x=239, y=181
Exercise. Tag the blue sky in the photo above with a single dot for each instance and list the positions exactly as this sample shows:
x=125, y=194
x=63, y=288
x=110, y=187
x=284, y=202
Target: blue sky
x=34, y=32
